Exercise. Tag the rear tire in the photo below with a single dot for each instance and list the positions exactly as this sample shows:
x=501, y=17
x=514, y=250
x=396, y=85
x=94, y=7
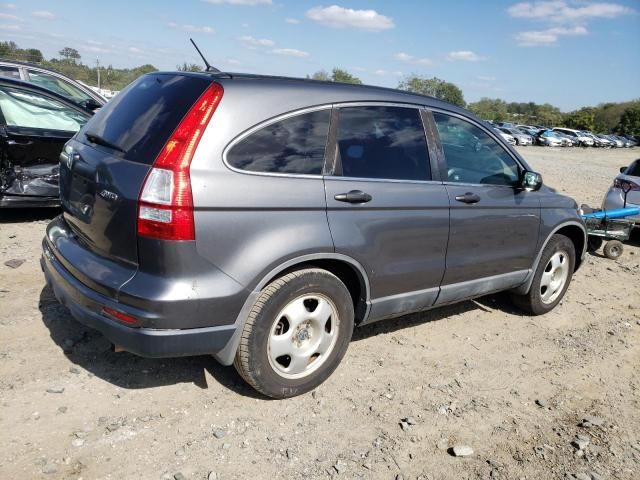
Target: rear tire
x=613, y=249
x=296, y=334
x=551, y=278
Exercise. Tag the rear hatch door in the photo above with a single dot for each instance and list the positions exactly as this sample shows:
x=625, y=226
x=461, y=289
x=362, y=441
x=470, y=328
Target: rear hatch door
x=103, y=168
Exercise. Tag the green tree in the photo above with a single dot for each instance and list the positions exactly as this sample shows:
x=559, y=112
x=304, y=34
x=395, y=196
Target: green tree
x=320, y=75
x=342, y=76
x=583, y=119
x=189, y=67
x=433, y=87
x=69, y=54
x=490, y=109
x=630, y=121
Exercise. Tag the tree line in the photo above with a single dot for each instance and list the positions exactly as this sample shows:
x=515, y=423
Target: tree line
x=621, y=117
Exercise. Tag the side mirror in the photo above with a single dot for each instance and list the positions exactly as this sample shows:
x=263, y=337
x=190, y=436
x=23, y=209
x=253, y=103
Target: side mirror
x=531, y=181
x=623, y=169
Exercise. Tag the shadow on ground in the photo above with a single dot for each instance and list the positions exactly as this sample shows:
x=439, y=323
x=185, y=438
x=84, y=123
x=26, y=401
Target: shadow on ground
x=91, y=351
x=23, y=215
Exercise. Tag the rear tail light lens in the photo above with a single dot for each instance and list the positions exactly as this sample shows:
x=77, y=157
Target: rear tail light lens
x=165, y=206
x=626, y=185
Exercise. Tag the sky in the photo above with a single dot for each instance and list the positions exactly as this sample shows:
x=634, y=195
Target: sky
x=570, y=53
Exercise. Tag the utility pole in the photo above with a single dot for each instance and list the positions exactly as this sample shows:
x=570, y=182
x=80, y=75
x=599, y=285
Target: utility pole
x=98, y=68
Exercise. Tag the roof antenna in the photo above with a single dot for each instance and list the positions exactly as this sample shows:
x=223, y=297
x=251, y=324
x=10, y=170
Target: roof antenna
x=209, y=67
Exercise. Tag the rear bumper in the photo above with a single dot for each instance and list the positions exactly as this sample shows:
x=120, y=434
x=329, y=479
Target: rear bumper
x=86, y=306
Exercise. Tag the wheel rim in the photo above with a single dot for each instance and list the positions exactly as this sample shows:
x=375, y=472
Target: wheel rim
x=554, y=277
x=303, y=336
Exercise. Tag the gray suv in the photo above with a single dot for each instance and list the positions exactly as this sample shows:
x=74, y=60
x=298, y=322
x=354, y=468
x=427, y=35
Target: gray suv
x=259, y=219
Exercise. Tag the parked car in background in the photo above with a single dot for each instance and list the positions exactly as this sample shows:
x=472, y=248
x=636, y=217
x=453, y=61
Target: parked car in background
x=597, y=141
x=616, y=142
x=521, y=138
x=549, y=138
x=35, y=123
x=72, y=90
x=576, y=135
x=627, y=181
x=259, y=219
x=506, y=135
x=567, y=141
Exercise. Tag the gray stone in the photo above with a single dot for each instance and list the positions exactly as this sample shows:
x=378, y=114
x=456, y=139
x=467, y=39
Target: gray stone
x=462, y=451
x=226, y=446
x=62, y=409
x=580, y=443
x=410, y=420
x=14, y=262
x=55, y=390
x=597, y=421
x=49, y=469
x=596, y=476
x=542, y=403
x=179, y=476
x=213, y=476
x=77, y=442
x=582, y=476
x=219, y=434
x=180, y=452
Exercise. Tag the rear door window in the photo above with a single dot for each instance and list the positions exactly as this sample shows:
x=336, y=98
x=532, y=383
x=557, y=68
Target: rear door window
x=294, y=145
x=58, y=85
x=140, y=119
x=383, y=142
x=10, y=72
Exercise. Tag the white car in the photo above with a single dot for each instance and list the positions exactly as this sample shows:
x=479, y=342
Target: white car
x=509, y=138
x=582, y=138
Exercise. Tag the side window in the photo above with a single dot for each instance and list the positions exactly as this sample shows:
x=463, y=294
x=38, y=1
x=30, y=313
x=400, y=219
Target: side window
x=58, y=85
x=293, y=145
x=10, y=72
x=472, y=155
x=23, y=108
x=634, y=169
x=382, y=142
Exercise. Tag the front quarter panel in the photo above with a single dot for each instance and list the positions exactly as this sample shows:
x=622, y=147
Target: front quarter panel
x=556, y=212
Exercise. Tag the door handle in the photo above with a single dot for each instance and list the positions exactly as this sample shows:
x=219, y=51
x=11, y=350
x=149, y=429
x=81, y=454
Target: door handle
x=468, y=198
x=354, y=196
x=20, y=142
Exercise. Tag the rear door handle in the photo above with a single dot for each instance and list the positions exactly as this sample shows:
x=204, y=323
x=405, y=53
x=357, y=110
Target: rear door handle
x=20, y=141
x=354, y=196
x=468, y=198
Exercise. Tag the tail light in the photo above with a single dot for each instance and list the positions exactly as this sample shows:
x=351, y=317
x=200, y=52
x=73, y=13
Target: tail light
x=626, y=185
x=165, y=205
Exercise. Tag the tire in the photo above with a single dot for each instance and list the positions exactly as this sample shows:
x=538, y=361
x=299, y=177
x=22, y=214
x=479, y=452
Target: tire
x=594, y=243
x=306, y=316
x=613, y=249
x=551, y=278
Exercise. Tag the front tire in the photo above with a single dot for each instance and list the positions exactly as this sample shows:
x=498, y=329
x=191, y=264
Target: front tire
x=296, y=334
x=551, y=278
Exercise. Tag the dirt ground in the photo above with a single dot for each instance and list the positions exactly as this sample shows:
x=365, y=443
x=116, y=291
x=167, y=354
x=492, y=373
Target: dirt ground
x=515, y=389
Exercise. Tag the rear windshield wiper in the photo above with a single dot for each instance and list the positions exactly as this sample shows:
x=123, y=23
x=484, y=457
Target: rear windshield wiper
x=98, y=140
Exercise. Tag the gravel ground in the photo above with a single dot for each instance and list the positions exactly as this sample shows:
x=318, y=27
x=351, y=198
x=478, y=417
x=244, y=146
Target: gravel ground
x=517, y=397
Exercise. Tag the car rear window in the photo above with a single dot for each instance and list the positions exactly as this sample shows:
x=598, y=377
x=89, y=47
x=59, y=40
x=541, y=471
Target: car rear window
x=294, y=145
x=140, y=119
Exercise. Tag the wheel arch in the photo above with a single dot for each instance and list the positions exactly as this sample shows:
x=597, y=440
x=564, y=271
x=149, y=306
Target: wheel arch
x=576, y=232
x=348, y=270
